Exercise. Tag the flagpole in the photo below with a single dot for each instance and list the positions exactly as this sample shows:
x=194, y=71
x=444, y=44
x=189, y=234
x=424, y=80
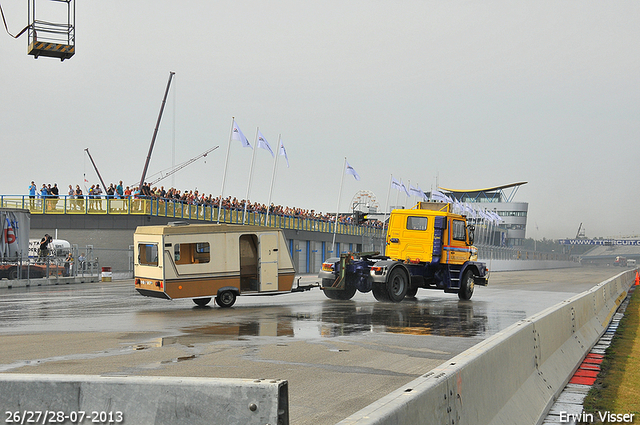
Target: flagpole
x=386, y=208
x=253, y=157
x=226, y=164
x=273, y=178
x=409, y=196
x=335, y=225
x=398, y=194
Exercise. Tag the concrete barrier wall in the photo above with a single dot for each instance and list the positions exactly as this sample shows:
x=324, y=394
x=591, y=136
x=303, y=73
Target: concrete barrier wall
x=142, y=400
x=24, y=283
x=517, y=265
x=510, y=378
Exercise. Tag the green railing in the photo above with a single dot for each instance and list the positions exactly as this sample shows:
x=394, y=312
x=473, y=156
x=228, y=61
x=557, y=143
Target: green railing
x=68, y=205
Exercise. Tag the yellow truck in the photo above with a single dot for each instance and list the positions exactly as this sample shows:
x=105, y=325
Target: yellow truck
x=204, y=261
x=426, y=247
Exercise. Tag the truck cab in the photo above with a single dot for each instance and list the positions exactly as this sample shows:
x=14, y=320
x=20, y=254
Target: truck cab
x=426, y=247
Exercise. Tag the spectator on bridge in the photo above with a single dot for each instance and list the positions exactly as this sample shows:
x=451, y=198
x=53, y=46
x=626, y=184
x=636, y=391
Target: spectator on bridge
x=79, y=198
x=110, y=192
x=120, y=190
x=32, y=195
x=97, y=193
x=71, y=194
x=55, y=195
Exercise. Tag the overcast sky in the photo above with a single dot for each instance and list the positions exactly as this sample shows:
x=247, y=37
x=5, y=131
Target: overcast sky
x=468, y=94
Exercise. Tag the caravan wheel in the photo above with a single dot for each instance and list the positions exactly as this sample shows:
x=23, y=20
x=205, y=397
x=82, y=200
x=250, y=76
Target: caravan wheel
x=226, y=299
x=201, y=302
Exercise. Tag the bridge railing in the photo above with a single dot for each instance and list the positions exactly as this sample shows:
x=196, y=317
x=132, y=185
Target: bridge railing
x=69, y=205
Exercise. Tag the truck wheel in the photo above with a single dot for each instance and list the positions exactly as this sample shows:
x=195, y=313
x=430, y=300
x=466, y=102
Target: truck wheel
x=397, y=285
x=202, y=301
x=411, y=292
x=13, y=274
x=329, y=293
x=338, y=294
x=380, y=292
x=466, y=286
x=226, y=299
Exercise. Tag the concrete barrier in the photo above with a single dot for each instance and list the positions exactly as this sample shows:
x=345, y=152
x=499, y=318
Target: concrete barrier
x=142, y=400
x=510, y=378
x=518, y=265
x=25, y=283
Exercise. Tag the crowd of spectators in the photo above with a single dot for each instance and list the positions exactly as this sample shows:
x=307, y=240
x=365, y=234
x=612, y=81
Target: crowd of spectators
x=193, y=197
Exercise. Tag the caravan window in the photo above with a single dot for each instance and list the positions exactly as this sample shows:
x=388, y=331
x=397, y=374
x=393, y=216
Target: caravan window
x=191, y=253
x=148, y=254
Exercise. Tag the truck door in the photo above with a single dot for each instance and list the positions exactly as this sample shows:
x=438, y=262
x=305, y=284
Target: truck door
x=457, y=249
x=268, y=261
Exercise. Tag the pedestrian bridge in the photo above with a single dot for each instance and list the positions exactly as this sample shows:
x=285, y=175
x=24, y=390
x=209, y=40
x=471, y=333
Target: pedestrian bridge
x=164, y=208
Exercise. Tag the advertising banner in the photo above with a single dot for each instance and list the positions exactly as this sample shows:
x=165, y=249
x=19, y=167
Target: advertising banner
x=14, y=234
x=603, y=242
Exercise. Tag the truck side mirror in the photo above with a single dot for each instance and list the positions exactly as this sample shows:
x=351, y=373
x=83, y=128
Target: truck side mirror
x=471, y=230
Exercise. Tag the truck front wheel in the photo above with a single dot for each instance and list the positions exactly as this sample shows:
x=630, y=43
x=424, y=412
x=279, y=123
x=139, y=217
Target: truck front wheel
x=397, y=285
x=466, y=286
x=339, y=294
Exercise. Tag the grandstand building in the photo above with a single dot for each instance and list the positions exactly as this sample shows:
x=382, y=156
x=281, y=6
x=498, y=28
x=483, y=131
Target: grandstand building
x=512, y=230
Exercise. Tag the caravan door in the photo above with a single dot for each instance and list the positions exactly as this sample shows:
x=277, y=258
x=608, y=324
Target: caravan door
x=268, y=261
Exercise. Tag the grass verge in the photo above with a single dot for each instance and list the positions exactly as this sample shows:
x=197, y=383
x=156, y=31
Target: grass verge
x=617, y=388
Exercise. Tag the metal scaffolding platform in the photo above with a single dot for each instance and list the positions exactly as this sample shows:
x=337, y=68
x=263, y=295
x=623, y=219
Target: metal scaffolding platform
x=52, y=39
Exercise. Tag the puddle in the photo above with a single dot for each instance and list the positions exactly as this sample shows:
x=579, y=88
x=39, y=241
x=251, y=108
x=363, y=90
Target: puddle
x=334, y=319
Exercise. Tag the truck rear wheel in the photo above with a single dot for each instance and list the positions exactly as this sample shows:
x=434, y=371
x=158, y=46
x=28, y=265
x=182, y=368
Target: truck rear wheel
x=466, y=286
x=397, y=285
x=411, y=292
x=380, y=292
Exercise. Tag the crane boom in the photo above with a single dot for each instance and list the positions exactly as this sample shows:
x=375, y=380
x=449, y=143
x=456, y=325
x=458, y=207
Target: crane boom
x=96, y=168
x=183, y=165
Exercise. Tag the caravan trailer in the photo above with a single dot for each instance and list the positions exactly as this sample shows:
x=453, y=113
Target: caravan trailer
x=204, y=261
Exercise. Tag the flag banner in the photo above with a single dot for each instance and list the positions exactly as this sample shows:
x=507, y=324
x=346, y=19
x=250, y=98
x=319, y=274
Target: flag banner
x=284, y=152
x=436, y=195
x=404, y=188
x=395, y=184
x=262, y=143
x=236, y=134
x=352, y=171
x=416, y=191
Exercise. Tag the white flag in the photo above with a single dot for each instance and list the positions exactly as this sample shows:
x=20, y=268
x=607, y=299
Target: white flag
x=262, y=143
x=350, y=170
x=395, y=184
x=436, y=195
x=284, y=152
x=416, y=191
x=404, y=188
x=236, y=134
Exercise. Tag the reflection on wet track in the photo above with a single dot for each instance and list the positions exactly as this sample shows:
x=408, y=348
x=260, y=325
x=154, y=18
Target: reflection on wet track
x=116, y=307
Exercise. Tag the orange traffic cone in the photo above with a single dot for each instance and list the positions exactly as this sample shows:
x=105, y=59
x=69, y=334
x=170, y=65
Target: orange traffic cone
x=637, y=278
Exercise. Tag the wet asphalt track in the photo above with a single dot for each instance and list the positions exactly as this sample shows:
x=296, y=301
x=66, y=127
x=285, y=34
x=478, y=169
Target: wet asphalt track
x=338, y=356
